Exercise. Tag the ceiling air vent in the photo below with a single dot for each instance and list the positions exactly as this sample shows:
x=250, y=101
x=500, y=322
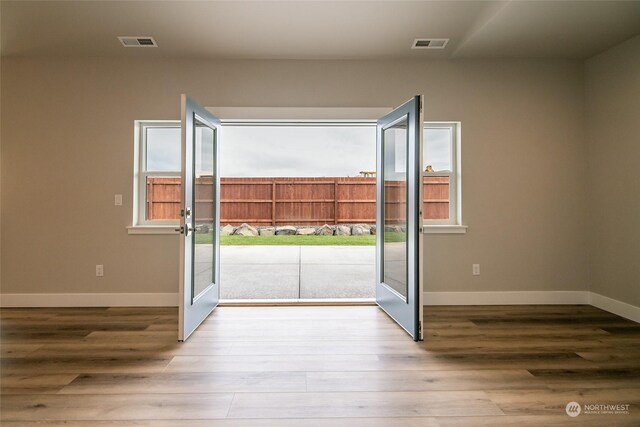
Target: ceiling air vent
x=429, y=43
x=140, y=41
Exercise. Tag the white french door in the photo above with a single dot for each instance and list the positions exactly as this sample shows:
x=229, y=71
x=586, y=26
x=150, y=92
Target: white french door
x=199, y=217
x=399, y=216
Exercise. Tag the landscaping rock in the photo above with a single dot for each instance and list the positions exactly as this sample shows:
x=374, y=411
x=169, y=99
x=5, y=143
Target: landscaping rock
x=343, y=230
x=227, y=230
x=373, y=230
x=246, y=230
x=325, y=230
x=286, y=230
x=393, y=228
x=366, y=227
x=267, y=231
x=306, y=231
x=359, y=230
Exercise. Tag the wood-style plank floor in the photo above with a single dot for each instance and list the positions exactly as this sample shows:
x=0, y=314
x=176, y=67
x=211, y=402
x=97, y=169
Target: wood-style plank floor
x=317, y=366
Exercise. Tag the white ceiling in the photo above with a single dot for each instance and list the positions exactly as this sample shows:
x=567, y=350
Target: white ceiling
x=317, y=29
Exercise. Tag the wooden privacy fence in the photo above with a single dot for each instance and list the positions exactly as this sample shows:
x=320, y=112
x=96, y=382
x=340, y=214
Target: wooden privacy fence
x=289, y=201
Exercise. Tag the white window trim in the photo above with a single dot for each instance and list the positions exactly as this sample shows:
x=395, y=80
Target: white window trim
x=140, y=225
x=445, y=229
x=455, y=177
x=152, y=229
x=140, y=176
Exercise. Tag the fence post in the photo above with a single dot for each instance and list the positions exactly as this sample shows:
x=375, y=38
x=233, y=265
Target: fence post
x=273, y=202
x=335, y=201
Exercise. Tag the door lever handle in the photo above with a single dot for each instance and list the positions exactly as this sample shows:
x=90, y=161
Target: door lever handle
x=186, y=229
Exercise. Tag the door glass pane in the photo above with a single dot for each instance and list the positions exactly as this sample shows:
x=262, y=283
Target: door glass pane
x=394, y=141
x=437, y=150
x=203, y=209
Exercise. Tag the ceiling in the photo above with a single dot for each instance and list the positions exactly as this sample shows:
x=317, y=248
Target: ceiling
x=317, y=29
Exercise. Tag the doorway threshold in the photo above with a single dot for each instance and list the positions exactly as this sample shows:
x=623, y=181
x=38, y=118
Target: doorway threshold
x=296, y=302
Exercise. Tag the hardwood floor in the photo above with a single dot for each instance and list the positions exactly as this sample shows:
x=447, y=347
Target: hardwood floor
x=317, y=366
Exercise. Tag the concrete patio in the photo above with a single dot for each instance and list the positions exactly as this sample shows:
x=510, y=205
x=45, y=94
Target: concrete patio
x=292, y=272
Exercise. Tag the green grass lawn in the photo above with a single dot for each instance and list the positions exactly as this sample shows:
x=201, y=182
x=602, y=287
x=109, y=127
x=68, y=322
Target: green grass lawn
x=369, y=240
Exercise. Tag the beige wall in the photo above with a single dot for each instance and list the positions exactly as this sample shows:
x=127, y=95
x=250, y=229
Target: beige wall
x=67, y=148
x=613, y=131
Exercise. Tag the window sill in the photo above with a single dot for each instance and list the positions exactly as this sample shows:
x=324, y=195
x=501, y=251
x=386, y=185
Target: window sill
x=152, y=229
x=444, y=229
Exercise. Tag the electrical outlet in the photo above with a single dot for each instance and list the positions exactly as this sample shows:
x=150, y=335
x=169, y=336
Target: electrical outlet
x=118, y=200
x=99, y=270
x=476, y=269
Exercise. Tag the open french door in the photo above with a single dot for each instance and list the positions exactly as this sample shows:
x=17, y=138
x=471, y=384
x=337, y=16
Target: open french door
x=399, y=216
x=199, y=217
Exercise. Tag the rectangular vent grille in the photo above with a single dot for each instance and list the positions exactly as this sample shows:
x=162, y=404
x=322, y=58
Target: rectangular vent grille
x=429, y=43
x=139, y=41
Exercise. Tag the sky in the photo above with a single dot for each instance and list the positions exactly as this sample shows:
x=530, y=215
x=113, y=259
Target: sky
x=295, y=151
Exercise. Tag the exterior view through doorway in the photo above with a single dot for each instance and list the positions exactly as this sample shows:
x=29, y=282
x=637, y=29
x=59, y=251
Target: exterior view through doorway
x=298, y=210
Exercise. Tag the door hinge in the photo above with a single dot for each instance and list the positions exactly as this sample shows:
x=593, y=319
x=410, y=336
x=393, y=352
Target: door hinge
x=420, y=328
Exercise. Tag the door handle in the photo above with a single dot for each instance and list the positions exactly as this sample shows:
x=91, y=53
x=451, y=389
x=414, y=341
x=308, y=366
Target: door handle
x=186, y=229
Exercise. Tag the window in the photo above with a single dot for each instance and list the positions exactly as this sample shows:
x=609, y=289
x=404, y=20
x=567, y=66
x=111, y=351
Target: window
x=158, y=170
x=441, y=173
x=157, y=178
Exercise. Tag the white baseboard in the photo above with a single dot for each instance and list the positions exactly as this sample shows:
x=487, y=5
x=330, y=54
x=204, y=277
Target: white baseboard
x=614, y=306
x=611, y=305
x=89, y=300
x=505, y=298
x=620, y=308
